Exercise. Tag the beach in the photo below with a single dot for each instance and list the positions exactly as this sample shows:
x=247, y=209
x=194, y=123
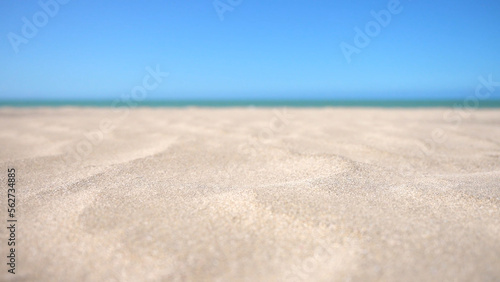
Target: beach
x=252, y=194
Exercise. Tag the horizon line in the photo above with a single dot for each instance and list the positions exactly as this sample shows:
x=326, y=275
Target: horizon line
x=381, y=103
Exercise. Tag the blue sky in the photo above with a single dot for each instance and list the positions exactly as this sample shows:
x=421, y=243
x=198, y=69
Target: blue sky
x=261, y=49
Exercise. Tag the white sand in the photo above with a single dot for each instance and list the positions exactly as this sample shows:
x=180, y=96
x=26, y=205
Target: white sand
x=193, y=194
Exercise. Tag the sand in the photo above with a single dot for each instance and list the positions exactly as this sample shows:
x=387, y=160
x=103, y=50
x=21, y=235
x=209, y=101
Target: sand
x=253, y=194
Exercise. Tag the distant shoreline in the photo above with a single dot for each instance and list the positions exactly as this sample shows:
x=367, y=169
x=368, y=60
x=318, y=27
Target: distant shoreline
x=258, y=103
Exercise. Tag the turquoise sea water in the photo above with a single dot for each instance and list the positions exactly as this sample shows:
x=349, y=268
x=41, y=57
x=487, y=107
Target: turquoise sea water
x=260, y=103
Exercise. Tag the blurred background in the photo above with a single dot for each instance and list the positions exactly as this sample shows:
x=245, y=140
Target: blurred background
x=248, y=50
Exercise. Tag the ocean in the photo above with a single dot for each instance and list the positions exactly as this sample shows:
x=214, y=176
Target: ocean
x=258, y=103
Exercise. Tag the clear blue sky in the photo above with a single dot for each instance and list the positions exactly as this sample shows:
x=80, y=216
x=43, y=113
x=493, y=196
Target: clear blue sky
x=278, y=49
